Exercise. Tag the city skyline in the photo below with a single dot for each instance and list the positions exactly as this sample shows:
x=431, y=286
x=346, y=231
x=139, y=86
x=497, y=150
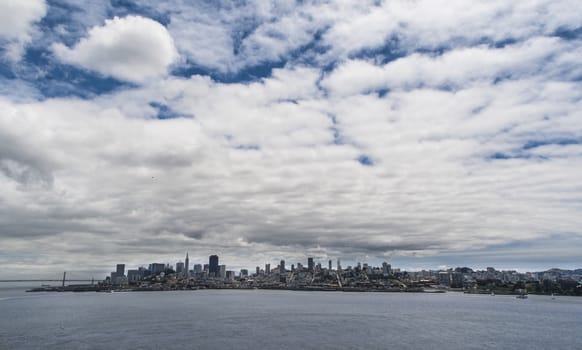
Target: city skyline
x=423, y=133
x=315, y=276
x=203, y=264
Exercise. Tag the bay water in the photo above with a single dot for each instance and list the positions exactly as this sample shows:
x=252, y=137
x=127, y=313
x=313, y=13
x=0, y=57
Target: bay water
x=263, y=319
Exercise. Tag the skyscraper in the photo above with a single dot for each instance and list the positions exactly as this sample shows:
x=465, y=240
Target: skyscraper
x=267, y=269
x=213, y=268
x=310, y=265
x=120, y=270
x=329, y=262
x=282, y=266
x=187, y=267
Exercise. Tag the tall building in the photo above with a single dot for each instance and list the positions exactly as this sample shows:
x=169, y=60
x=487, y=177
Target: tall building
x=222, y=271
x=310, y=265
x=118, y=277
x=329, y=262
x=197, y=268
x=157, y=268
x=267, y=269
x=338, y=265
x=187, y=267
x=282, y=266
x=213, y=268
x=386, y=268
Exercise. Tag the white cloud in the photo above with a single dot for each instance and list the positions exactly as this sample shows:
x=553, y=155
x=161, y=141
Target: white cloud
x=103, y=175
x=438, y=24
x=16, y=23
x=233, y=36
x=453, y=68
x=132, y=48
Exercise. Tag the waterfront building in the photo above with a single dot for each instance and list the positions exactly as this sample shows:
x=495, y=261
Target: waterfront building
x=444, y=278
x=221, y=271
x=134, y=276
x=213, y=268
x=118, y=277
x=457, y=280
x=230, y=275
x=244, y=273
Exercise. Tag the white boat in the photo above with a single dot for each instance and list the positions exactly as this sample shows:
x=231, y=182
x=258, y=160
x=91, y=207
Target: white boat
x=522, y=294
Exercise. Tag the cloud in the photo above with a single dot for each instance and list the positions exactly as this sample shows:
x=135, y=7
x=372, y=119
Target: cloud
x=233, y=36
x=123, y=177
x=131, y=48
x=434, y=133
x=451, y=69
x=16, y=24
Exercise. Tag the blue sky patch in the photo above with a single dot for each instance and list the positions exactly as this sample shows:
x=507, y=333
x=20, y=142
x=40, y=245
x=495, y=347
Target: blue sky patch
x=166, y=112
x=560, y=142
x=365, y=160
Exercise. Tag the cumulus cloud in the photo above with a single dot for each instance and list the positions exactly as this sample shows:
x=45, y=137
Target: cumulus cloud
x=16, y=24
x=158, y=186
x=428, y=134
x=232, y=36
x=131, y=48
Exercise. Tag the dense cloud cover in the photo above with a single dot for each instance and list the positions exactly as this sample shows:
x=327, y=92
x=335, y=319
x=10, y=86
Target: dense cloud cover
x=425, y=133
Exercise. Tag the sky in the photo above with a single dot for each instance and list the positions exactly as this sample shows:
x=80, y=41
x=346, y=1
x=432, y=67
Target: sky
x=425, y=133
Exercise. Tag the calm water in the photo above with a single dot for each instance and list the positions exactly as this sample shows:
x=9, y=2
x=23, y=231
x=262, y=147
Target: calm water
x=285, y=320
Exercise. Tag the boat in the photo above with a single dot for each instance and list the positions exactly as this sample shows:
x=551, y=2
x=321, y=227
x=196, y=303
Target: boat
x=522, y=296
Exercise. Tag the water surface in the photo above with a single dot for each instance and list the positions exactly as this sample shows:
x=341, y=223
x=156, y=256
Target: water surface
x=260, y=319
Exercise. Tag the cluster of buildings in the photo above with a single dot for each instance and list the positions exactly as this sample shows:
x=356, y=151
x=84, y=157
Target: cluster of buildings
x=315, y=276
